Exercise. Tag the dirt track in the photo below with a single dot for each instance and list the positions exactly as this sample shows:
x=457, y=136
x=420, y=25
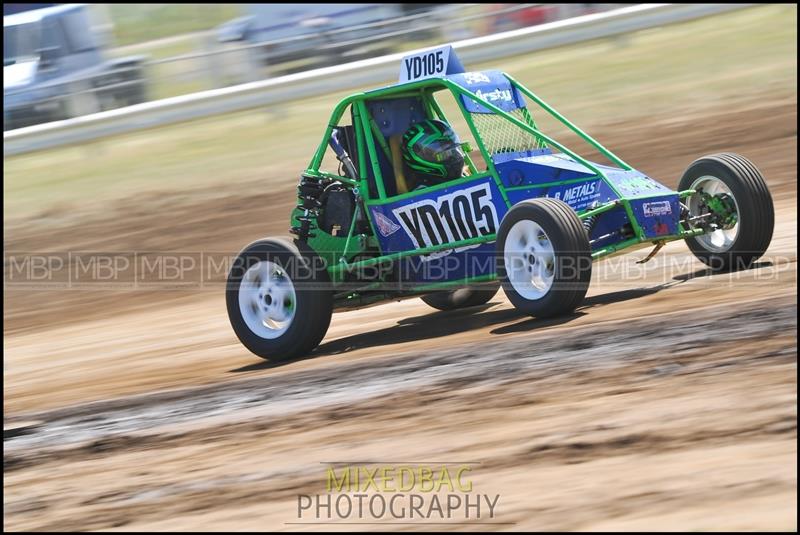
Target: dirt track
x=688, y=421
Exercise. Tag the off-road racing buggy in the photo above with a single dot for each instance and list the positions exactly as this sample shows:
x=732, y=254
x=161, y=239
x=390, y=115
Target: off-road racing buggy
x=529, y=214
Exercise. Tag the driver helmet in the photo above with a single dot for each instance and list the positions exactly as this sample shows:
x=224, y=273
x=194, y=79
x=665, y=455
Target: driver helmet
x=431, y=148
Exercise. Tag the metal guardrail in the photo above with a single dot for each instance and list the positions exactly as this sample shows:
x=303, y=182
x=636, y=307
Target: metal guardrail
x=215, y=62
x=340, y=77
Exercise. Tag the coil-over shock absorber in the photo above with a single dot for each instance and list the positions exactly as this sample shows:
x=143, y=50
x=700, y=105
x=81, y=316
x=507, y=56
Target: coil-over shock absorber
x=309, y=192
x=588, y=223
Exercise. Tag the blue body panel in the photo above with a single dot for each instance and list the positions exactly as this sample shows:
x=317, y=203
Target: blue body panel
x=492, y=86
x=579, y=195
x=477, y=207
x=655, y=207
x=440, y=216
x=538, y=169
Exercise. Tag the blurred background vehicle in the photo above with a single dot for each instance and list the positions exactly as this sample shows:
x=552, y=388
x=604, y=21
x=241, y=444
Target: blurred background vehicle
x=61, y=60
x=55, y=66
x=313, y=35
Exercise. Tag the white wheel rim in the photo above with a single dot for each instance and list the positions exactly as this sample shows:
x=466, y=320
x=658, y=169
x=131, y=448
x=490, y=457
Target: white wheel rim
x=529, y=260
x=720, y=240
x=267, y=300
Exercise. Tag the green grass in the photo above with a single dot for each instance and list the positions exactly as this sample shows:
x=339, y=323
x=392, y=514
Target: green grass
x=137, y=23
x=682, y=67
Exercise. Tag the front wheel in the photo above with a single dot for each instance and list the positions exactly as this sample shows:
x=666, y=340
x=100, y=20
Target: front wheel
x=544, y=257
x=735, y=208
x=279, y=299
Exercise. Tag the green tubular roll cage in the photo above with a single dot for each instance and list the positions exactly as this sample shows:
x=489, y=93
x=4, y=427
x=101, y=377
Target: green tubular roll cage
x=369, y=141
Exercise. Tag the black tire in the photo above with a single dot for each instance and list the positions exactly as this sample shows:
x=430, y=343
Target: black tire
x=461, y=298
x=313, y=298
x=137, y=95
x=756, y=213
x=571, y=258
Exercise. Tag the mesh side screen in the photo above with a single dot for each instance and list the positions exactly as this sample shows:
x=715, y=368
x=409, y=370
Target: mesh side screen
x=500, y=135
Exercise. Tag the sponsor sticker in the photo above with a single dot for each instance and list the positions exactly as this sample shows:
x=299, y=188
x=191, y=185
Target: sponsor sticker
x=473, y=78
x=652, y=209
x=386, y=226
x=494, y=96
x=578, y=193
x=460, y=215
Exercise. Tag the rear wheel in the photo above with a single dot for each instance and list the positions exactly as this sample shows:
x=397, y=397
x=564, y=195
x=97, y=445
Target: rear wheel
x=461, y=298
x=739, y=215
x=279, y=299
x=545, y=261
x=82, y=100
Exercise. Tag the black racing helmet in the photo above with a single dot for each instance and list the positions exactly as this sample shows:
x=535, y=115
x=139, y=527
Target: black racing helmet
x=432, y=148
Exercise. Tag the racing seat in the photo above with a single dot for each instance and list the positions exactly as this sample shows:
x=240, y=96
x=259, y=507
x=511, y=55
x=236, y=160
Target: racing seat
x=392, y=117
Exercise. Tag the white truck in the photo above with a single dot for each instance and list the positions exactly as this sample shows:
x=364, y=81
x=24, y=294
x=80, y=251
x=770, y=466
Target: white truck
x=54, y=66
